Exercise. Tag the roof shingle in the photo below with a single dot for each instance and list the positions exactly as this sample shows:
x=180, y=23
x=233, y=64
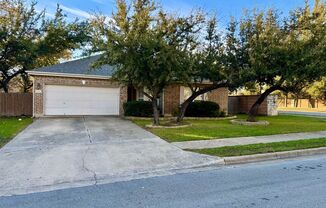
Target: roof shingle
x=80, y=66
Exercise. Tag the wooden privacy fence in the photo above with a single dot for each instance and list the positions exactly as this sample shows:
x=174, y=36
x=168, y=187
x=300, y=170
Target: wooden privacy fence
x=301, y=103
x=16, y=104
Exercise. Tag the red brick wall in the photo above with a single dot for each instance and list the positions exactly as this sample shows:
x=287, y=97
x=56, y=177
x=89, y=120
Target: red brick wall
x=171, y=99
x=220, y=96
x=242, y=104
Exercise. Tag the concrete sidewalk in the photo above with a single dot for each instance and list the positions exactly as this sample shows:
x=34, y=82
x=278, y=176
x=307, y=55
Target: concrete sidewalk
x=214, y=143
x=303, y=113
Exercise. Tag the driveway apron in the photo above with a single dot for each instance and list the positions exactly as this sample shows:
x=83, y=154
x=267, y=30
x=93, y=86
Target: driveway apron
x=58, y=153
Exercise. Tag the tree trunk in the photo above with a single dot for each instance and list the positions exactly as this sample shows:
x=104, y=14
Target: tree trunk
x=5, y=82
x=186, y=103
x=25, y=89
x=311, y=102
x=296, y=102
x=27, y=84
x=5, y=88
x=183, y=109
x=254, y=108
x=156, y=114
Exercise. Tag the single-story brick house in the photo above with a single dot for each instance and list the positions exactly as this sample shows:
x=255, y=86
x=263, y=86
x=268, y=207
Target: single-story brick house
x=74, y=88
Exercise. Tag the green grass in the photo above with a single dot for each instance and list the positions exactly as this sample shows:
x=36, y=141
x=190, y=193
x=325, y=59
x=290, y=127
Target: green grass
x=215, y=129
x=10, y=127
x=263, y=148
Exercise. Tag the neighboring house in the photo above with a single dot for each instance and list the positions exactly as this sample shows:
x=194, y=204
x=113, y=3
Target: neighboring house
x=74, y=88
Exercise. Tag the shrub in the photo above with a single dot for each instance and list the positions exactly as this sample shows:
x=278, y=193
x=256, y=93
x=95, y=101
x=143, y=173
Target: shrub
x=222, y=114
x=138, y=108
x=202, y=109
x=175, y=111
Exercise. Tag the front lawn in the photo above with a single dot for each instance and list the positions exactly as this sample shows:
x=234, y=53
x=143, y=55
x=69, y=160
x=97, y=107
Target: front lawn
x=10, y=127
x=215, y=129
x=263, y=148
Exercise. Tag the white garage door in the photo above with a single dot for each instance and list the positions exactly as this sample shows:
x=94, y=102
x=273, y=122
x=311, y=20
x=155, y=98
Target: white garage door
x=69, y=100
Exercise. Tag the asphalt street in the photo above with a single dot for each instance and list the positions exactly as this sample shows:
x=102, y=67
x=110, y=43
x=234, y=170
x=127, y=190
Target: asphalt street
x=289, y=183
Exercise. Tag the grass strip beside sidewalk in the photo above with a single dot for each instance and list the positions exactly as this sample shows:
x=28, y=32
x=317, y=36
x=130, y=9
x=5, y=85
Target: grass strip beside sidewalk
x=252, y=149
x=217, y=129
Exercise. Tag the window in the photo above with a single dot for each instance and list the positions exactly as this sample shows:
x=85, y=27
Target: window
x=187, y=93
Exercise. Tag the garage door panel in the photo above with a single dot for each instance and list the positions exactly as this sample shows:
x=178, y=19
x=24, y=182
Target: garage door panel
x=85, y=111
x=81, y=104
x=71, y=100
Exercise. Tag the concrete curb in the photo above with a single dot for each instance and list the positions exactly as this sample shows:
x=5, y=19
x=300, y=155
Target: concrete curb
x=273, y=156
x=150, y=126
x=248, y=123
x=186, y=118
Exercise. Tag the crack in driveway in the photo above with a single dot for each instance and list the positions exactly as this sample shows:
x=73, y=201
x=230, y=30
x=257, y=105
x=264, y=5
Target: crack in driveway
x=86, y=152
x=71, y=152
x=87, y=169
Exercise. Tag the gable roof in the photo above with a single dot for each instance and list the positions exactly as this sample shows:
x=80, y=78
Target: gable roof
x=77, y=67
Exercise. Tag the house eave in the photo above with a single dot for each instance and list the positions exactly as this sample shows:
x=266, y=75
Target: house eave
x=69, y=75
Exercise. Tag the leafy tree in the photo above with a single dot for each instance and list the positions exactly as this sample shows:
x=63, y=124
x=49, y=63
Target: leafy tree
x=284, y=55
x=29, y=40
x=145, y=44
x=21, y=83
x=311, y=91
x=317, y=90
x=208, y=66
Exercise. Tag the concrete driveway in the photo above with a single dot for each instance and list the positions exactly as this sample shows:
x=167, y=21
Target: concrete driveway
x=57, y=153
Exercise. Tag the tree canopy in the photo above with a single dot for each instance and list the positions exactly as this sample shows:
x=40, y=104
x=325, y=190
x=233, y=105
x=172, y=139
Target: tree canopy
x=209, y=63
x=284, y=54
x=146, y=45
x=152, y=49
x=28, y=39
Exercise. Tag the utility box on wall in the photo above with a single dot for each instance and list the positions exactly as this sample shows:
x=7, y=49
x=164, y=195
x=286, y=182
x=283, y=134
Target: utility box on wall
x=272, y=105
